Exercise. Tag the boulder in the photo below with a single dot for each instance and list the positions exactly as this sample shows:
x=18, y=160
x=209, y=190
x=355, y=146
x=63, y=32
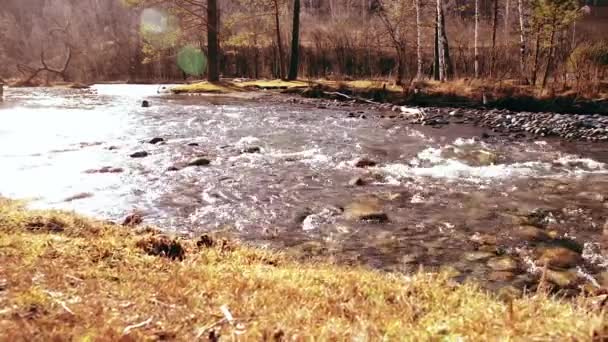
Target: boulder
x=562, y=278
x=559, y=257
x=155, y=141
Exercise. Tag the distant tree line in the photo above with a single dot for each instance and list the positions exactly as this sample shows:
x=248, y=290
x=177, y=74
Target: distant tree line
x=538, y=42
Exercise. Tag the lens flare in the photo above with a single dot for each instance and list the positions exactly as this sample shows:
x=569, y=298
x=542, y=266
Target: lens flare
x=160, y=29
x=191, y=60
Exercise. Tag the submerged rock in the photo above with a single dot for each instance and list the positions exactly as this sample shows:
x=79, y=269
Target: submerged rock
x=79, y=196
x=201, y=161
x=531, y=233
x=364, y=162
x=140, y=154
x=484, y=239
x=501, y=276
x=356, y=181
x=503, y=264
x=478, y=255
x=365, y=210
x=251, y=149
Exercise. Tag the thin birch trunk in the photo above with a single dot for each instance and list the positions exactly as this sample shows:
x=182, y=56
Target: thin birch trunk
x=418, y=41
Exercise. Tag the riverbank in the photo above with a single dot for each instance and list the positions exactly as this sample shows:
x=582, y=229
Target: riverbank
x=507, y=95
x=69, y=277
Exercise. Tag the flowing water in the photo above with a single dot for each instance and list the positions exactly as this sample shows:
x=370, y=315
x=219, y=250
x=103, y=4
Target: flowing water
x=439, y=197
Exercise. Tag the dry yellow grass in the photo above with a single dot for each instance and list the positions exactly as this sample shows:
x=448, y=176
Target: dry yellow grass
x=206, y=87
x=64, y=277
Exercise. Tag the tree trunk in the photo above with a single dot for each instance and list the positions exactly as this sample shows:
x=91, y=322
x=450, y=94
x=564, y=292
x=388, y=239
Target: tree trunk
x=550, y=56
x=476, y=39
x=279, y=40
x=436, y=55
x=507, y=21
x=295, y=42
x=213, y=74
x=418, y=41
x=443, y=47
x=522, y=39
x=494, y=27
x=536, y=56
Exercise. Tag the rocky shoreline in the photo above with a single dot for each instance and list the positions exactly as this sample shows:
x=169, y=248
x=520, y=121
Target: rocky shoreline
x=581, y=127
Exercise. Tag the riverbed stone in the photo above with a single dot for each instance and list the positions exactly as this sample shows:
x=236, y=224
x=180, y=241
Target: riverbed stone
x=251, y=149
x=559, y=257
x=365, y=162
x=356, y=181
x=484, y=239
x=156, y=140
x=140, y=154
x=368, y=209
x=562, y=278
x=503, y=264
x=200, y=161
x=478, y=255
x=486, y=158
x=501, y=276
x=531, y=233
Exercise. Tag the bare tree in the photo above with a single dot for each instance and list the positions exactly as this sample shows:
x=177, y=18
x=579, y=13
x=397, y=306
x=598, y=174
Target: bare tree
x=295, y=42
x=213, y=74
x=476, y=39
x=35, y=71
x=279, y=40
x=522, y=38
x=494, y=27
x=443, y=60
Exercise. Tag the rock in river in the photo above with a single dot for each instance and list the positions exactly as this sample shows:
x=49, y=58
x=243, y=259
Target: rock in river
x=530, y=233
x=559, y=257
x=364, y=162
x=155, y=141
x=356, y=181
x=368, y=209
x=251, y=149
x=199, y=162
x=562, y=278
x=140, y=154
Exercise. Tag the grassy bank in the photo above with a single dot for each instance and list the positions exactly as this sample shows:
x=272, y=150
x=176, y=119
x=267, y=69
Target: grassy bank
x=72, y=278
x=457, y=93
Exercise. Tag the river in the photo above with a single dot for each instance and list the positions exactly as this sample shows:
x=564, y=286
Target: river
x=282, y=174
